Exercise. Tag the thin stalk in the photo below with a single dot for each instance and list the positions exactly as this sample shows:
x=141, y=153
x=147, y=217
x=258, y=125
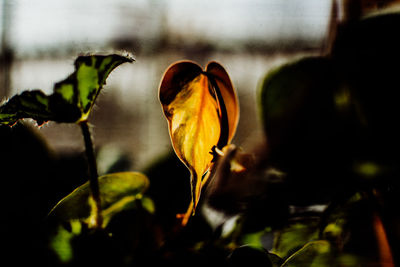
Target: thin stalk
x=93, y=174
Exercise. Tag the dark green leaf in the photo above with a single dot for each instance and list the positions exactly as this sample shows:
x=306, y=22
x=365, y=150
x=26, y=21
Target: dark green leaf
x=367, y=54
x=275, y=259
x=117, y=190
x=294, y=236
x=72, y=98
x=29, y=104
x=242, y=256
x=297, y=89
x=61, y=242
x=305, y=107
x=316, y=253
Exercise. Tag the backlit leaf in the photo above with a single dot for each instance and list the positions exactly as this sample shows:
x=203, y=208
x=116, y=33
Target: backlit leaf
x=29, y=104
x=202, y=111
x=116, y=191
x=72, y=98
x=228, y=94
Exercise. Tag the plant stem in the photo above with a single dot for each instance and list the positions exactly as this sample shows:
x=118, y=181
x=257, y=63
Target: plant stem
x=93, y=175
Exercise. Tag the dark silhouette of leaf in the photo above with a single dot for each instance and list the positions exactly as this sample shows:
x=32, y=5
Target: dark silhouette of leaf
x=72, y=98
x=310, y=120
x=29, y=104
x=367, y=54
x=244, y=255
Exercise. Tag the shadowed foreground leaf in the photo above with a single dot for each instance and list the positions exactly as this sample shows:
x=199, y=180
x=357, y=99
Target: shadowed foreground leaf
x=72, y=98
x=296, y=92
x=117, y=190
x=316, y=253
x=202, y=111
x=292, y=237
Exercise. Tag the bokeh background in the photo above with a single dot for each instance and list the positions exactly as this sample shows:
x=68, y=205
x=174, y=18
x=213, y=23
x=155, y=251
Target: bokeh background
x=40, y=40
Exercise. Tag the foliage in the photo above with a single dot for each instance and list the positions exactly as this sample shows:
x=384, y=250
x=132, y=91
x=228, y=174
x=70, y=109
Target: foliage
x=117, y=190
x=202, y=111
x=321, y=189
x=72, y=99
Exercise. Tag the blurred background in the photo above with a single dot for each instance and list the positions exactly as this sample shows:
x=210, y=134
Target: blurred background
x=40, y=40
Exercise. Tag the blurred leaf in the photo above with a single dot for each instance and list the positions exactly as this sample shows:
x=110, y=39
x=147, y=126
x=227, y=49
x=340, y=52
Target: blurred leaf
x=309, y=117
x=350, y=260
x=127, y=203
x=334, y=231
x=374, y=169
x=61, y=242
x=202, y=112
x=313, y=254
x=168, y=190
x=367, y=55
x=72, y=98
x=294, y=236
x=298, y=96
x=284, y=88
x=230, y=185
x=275, y=259
x=117, y=191
x=245, y=255
x=148, y=204
x=253, y=239
x=368, y=169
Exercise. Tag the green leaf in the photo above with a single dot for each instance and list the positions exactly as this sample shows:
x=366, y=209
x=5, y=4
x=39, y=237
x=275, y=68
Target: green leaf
x=117, y=191
x=310, y=118
x=72, y=98
x=253, y=239
x=296, y=89
x=313, y=254
x=294, y=236
x=61, y=242
x=29, y=104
